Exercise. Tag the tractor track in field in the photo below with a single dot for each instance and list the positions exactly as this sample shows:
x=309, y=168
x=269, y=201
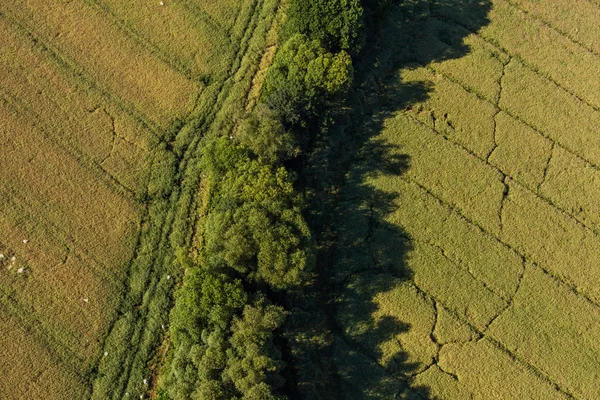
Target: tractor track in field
x=182, y=203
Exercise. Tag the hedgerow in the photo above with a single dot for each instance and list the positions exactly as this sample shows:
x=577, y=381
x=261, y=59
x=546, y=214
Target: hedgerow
x=257, y=247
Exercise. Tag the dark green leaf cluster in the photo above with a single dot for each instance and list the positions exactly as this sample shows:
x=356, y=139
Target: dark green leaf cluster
x=303, y=77
x=338, y=24
x=255, y=225
x=223, y=339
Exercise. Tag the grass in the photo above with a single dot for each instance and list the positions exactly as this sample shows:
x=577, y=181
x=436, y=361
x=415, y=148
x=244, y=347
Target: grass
x=521, y=152
x=134, y=74
x=453, y=111
x=552, y=239
x=189, y=42
x=34, y=371
x=545, y=49
x=559, y=337
x=529, y=96
x=482, y=368
x=561, y=14
x=442, y=167
x=88, y=182
x=572, y=184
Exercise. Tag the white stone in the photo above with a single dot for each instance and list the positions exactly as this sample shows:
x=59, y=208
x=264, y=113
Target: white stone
x=21, y=270
x=25, y=241
x=86, y=300
x=105, y=353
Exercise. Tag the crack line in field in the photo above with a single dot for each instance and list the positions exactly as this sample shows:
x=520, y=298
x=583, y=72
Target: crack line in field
x=501, y=347
x=505, y=181
x=546, y=167
x=497, y=108
x=113, y=133
x=511, y=300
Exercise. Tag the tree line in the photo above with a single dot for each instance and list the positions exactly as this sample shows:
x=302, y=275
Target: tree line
x=257, y=248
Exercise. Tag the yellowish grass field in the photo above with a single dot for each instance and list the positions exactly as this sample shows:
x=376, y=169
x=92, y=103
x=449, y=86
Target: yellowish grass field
x=85, y=38
x=479, y=179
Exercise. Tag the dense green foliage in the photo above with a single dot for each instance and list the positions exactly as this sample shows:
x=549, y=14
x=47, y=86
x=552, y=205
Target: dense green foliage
x=304, y=75
x=220, y=353
x=338, y=24
x=255, y=225
x=257, y=247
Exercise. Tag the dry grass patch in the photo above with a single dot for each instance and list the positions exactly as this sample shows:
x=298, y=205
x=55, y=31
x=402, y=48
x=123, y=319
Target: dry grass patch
x=441, y=385
x=96, y=216
x=555, y=330
x=87, y=40
x=450, y=329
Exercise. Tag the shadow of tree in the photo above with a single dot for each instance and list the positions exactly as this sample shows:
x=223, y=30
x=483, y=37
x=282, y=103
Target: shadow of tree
x=349, y=347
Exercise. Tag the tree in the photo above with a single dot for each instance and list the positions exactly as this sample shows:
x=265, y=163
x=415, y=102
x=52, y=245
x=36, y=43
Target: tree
x=263, y=133
x=336, y=23
x=303, y=77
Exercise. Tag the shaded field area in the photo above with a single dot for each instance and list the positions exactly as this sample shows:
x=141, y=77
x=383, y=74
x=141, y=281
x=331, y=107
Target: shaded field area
x=466, y=255
x=102, y=107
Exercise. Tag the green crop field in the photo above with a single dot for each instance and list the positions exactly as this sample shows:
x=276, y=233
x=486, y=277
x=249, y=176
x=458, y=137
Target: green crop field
x=102, y=105
x=466, y=263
